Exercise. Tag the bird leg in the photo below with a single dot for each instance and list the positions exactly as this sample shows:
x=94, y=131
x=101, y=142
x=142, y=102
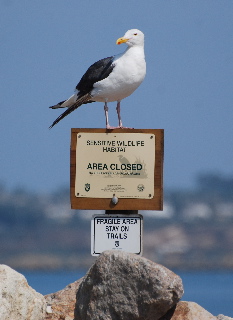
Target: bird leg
x=118, y=109
x=106, y=116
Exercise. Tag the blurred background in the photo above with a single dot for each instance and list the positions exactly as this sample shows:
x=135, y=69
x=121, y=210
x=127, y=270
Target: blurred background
x=45, y=48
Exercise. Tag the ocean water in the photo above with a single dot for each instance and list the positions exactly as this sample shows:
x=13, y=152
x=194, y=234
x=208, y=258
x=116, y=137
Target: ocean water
x=211, y=290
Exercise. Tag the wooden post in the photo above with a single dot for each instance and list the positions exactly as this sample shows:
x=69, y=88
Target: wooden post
x=126, y=212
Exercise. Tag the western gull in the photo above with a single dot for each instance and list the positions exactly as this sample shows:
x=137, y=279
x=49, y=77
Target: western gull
x=110, y=79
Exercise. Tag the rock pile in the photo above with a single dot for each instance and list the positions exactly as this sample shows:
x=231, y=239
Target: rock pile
x=119, y=286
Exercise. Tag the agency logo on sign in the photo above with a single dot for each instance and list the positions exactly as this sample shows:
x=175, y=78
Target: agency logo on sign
x=141, y=187
x=87, y=187
x=117, y=243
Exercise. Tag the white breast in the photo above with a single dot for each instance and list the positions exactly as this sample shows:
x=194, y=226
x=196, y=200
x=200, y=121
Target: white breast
x=127, y=75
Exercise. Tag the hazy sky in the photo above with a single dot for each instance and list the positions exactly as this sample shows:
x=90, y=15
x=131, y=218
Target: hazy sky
x=46, y=46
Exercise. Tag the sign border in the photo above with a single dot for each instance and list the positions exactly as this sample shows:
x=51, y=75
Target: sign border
x=155, y=203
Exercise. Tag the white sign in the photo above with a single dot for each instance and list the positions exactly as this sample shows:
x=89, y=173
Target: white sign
x=116, y=232
x=115, y=164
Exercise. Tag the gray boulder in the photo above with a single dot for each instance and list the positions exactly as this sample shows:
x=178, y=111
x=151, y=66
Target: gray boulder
x=122, y=286
x=18, y=300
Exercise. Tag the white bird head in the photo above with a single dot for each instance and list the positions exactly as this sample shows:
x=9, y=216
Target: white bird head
x=132, y=37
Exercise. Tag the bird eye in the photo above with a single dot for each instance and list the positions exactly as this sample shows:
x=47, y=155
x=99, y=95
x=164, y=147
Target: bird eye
x=135, y=34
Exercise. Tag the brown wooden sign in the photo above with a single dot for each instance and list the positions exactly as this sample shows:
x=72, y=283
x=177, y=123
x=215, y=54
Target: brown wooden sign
x=124, y=164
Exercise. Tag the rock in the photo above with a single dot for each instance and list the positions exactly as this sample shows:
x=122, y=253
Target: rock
x=18, y=300
x=60, y=305
x=188, y=311
x=123, y=286
x=222, y=317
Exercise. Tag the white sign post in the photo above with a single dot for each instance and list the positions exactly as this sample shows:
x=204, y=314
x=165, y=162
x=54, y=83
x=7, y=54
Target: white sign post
x=116, y=232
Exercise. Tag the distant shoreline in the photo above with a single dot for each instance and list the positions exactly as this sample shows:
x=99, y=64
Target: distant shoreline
x=56, y=263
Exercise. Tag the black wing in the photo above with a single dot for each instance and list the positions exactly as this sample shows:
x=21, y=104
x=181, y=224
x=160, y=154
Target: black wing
x=96, y=72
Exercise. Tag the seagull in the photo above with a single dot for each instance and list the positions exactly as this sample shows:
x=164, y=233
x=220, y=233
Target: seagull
x=110, y=79
x=123, y=160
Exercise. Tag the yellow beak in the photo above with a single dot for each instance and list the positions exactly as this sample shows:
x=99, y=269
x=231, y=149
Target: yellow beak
x=121, y=40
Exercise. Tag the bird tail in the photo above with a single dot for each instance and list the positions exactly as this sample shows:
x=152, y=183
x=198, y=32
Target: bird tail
x=74, y=106
x=66, y=103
